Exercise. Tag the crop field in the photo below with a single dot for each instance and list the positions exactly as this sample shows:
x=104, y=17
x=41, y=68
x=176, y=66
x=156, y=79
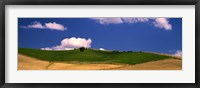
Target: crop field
x=92, y=56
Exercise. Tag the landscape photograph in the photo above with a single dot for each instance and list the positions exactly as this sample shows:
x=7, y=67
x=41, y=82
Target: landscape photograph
x=100, y=43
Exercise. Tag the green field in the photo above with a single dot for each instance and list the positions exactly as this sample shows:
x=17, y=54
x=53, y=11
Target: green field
x=93, y=56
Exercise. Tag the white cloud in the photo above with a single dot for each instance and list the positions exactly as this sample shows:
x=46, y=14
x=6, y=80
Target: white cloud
x=178, y=53
x=36, y=25
x=118, y=20
x=134, y=20
x=108, y=20
x=55, y=26
x=162, y=23
x=101, y=49
x=71, y=43
x=50, y=25
x=47, y=48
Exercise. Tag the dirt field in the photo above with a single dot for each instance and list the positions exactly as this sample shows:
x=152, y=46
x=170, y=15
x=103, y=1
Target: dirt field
x=66, y=66
x=167, y=64
x=29, y=63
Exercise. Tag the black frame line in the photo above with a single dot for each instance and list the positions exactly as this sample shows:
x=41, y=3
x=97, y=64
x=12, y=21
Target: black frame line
x=3, y=3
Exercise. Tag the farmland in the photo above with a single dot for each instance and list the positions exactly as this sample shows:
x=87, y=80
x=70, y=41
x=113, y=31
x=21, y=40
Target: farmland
x=92, y=56
x=91, y=59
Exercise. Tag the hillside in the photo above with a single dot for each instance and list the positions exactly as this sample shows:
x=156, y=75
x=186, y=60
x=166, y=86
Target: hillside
x=92, y=56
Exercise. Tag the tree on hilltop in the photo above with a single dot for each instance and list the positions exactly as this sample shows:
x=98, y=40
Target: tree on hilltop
x=82, y=49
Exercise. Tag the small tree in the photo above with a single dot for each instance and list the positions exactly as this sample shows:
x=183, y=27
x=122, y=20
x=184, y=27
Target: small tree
x=115, y=51
x=82, y=49
x=129, y=51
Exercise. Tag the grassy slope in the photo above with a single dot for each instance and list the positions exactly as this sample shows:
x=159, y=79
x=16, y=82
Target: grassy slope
x=90, y=55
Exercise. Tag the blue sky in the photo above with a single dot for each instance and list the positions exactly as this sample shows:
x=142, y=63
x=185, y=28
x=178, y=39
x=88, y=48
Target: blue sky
x=162, y=35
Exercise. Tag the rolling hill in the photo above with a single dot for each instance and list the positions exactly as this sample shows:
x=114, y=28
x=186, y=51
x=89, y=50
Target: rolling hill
x=92, y=56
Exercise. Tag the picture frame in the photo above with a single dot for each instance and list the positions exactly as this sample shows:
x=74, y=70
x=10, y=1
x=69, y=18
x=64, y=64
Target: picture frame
x=99, y=2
